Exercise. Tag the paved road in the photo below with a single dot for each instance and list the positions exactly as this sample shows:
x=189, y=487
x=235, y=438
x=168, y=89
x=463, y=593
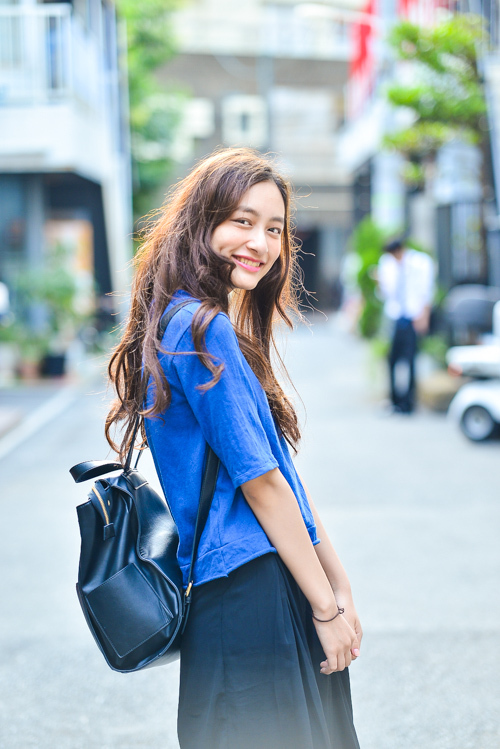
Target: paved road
x=413, y=510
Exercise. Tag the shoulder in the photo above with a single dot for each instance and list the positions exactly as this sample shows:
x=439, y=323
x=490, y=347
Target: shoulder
x=420, y=259
x=179, y=332
x=386, y=263
x=386, y=260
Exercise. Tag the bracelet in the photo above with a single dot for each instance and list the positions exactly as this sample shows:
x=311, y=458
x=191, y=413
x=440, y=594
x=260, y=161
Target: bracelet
x=339, y=612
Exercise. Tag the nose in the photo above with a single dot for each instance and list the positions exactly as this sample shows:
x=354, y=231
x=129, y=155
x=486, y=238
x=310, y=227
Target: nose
x=257, y=241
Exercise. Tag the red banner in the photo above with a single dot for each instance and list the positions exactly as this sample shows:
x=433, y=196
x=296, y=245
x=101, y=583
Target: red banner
x=422, y=12
x=362, y=67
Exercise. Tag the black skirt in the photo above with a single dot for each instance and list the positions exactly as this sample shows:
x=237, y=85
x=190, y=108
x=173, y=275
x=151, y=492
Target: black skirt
x=250, y=668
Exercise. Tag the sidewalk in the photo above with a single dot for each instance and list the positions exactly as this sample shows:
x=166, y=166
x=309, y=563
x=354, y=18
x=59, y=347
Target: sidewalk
x=411, y=506
x=21, y=398
x=24, y=398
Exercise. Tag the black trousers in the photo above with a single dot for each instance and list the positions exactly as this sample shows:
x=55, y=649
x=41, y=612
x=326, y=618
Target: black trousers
x=402, y=365
x=250, y=661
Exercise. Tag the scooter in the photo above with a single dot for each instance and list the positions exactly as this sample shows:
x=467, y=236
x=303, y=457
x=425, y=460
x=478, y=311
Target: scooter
x=476, y=406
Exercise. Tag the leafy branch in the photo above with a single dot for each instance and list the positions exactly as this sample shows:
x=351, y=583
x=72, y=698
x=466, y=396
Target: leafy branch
x=154, y=112
x=447, y=100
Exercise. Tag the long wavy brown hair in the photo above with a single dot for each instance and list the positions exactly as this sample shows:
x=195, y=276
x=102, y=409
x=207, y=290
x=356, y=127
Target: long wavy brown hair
x=177, y=254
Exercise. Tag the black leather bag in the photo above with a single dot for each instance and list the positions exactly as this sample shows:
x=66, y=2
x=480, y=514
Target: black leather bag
x=129, y=581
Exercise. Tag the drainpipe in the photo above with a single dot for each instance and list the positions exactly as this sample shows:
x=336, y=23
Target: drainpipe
x=35, y=219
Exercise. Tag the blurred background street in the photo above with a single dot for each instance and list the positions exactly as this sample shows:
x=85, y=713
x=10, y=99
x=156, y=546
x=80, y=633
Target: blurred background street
x=412, y=507
x=385, y=115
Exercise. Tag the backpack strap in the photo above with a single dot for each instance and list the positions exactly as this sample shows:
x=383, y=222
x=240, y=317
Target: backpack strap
x=207, y=491
x=91, y=469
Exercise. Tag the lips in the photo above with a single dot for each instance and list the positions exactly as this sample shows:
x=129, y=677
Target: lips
x=249, y=264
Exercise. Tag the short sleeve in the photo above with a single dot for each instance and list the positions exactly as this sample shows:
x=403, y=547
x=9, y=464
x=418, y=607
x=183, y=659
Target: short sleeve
x=228, y=412
x=385, y=277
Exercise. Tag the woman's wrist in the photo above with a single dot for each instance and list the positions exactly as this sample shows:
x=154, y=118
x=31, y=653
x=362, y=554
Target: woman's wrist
x=325, y=609
x=331, y=618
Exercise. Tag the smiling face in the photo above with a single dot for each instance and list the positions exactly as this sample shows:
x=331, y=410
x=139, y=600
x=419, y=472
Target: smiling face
x=251, y=236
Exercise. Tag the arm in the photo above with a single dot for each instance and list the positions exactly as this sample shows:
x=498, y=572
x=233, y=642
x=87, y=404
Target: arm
x=275, y=506
x=384, y=278
x=426, y=279
x=335, y=572
x=228, y=416
x=421, y=323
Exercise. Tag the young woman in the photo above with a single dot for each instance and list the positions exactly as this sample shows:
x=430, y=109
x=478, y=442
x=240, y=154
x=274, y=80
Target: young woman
x=272, y=627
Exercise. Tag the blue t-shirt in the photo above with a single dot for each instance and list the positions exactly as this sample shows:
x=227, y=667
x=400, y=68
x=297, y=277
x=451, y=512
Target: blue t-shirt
x=234, y=417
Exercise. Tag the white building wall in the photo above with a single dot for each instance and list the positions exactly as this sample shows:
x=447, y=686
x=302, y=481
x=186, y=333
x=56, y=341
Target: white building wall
x=59, y=109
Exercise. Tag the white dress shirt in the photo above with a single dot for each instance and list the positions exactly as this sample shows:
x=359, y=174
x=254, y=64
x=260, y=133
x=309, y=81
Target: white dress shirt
x=407, y=285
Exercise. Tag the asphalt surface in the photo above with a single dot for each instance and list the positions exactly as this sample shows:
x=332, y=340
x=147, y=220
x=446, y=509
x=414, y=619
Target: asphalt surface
x=412, y=508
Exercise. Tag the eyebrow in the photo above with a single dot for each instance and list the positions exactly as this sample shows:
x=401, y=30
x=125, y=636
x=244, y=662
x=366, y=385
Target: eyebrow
x=248, y=209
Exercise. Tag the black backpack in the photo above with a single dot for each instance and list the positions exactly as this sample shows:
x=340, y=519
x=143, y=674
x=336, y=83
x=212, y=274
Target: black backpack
x=129, y=581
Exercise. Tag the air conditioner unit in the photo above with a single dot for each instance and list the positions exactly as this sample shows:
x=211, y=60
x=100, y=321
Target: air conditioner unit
x=244, y=121
x=199, y=118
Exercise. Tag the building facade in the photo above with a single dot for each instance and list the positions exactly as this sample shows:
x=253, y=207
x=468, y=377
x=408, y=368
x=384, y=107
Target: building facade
x=447, y=215
x=271, y=75
x=64, y=144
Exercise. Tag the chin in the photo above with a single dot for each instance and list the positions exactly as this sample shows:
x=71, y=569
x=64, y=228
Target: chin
x=246, y=284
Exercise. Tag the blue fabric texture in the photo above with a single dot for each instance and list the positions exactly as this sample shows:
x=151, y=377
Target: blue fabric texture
x=234, y=418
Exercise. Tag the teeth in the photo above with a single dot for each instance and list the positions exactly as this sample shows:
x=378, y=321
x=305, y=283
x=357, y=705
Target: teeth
x=253, y=263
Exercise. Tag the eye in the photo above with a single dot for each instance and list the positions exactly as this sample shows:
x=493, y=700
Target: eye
x=275, y=230
x=242, y=221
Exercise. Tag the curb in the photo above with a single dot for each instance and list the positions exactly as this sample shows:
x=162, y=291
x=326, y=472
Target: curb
x=25, y=427
x=9, y=419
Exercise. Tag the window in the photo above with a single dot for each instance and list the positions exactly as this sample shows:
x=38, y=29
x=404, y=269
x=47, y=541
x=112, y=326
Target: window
x=244, y=121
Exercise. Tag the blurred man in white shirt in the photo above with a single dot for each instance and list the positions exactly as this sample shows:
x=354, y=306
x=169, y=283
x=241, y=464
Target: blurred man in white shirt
x=406, y=282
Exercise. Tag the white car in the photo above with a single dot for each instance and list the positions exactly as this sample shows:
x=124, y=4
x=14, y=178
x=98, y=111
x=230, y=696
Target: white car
x=481, y=361
x=476, y=409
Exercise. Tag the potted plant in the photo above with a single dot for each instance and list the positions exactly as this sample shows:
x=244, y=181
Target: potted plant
x=53, y=292
x=31, y=347
x=8, y=350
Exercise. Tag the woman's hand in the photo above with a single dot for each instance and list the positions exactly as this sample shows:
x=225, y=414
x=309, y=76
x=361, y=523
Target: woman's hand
x=337, y=577
x=345, y=601
x=339, y=641
x=421, y=323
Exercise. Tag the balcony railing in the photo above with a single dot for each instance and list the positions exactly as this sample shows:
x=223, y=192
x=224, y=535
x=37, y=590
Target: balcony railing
x=46, y=56
x=270, y=30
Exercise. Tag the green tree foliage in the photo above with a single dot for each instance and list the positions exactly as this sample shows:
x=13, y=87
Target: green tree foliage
x=447, y=98
x=368, y=243
x=154, y=112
